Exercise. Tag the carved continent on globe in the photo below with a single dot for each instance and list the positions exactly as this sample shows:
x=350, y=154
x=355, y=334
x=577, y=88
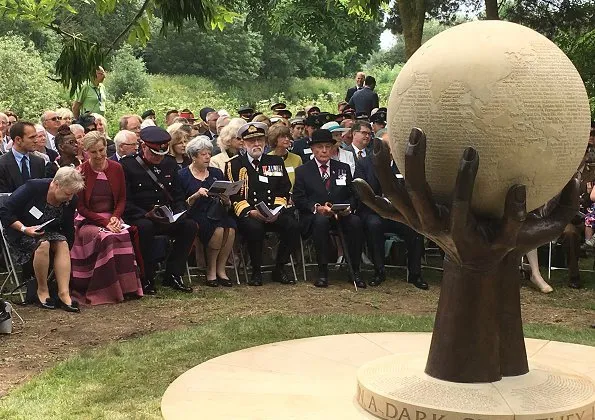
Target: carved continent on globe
x=503, y=89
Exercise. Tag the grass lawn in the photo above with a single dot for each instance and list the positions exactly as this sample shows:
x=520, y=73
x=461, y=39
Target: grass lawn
x=128, y=379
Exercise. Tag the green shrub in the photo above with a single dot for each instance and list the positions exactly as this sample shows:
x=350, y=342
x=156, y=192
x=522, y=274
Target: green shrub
x=128, y=75
x=26, y=87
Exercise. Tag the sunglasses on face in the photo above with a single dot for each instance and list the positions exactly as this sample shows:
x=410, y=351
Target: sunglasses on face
x=53, y=119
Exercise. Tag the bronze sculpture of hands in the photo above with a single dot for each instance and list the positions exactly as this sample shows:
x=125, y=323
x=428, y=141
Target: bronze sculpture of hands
x=478, y=333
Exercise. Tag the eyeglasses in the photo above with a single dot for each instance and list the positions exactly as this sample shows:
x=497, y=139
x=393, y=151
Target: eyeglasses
x=53, y=119
x=366, y=133
x=129, y=144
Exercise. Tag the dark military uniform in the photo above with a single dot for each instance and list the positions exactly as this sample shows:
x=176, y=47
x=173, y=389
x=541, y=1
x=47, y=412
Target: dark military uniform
x=270, y=184
x=142, y=194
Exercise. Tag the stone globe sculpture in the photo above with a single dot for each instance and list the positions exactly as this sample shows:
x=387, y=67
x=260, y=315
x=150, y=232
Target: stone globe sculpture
x=503, y=89
x=487, y=120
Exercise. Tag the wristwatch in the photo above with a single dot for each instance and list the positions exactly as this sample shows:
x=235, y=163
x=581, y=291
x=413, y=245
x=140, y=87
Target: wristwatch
x=23, y=228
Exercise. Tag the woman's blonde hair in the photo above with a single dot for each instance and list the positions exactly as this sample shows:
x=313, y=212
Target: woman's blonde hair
x=178, y=135
x=92, y=138
x=65, y=113
x=229, y=132
x=69, y=177
x=104, y=123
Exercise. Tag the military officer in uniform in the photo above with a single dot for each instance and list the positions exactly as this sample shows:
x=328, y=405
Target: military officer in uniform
x=265, y=180
x=151, y=182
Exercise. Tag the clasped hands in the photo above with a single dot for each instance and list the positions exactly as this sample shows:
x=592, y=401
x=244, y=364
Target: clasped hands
x=326, y=210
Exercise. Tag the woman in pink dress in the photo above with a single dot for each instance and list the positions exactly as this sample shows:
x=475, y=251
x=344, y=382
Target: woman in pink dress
x=104, y=266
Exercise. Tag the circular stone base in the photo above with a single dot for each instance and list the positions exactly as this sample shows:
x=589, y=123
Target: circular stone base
x=317, y=378
x=396, y=387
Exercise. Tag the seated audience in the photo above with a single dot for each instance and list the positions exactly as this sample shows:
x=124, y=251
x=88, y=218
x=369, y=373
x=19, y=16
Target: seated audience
x=36, y=202
x=177, y=145
x=104, y=268
x=217, y=227
x=68, y=148
x=279, y=139
x=229, y=143
x=265, y=180
x=151, y=183
x=18, y=164
x=320, y=183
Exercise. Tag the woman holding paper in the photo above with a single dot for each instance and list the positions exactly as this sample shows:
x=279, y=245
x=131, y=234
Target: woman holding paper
x=33, y=204
x=216, y=228
x=279, y=141
x=104, y=267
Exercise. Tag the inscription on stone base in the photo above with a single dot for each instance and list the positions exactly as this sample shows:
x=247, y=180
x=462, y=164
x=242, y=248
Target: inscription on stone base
x=394, y=388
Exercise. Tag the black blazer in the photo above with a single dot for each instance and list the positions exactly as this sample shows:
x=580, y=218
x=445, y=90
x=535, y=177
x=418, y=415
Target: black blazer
x=302, y=149
x=10, y=173
x=52, y=154
x=350, y=93
x=34, y=193
x=309, y=189
x=364, y=169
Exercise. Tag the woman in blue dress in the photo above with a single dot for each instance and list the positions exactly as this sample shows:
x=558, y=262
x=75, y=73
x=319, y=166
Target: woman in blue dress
x=216, y=228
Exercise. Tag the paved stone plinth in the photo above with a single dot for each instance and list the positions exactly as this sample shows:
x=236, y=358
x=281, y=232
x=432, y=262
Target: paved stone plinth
x=317, y=378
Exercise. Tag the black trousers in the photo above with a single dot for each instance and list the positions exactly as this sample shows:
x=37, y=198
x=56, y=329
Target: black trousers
x=182, y=232
x=376, y=227
x=351, y=226
x=253, y=231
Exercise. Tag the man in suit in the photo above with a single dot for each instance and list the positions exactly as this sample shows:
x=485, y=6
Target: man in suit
x=265, y=180
x=359, y=84
x=152, y=182
x=365, y=100
x=131, y=123
x=126, y=144
x=51, y=122
x=361, y=140
x=375, y=228
x=320, y=183
x=18, y=165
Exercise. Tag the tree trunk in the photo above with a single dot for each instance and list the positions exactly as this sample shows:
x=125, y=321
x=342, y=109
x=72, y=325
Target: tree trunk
x=478, y=333
x=412, y=13
x=492, y=10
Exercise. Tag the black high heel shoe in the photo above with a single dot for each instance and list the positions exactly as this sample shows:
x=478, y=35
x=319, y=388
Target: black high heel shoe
x=224, y=282
x=49, y=303
x=212, y=283
x=73, y=307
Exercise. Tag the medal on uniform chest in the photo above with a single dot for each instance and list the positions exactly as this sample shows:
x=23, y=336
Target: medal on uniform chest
x=157, y=170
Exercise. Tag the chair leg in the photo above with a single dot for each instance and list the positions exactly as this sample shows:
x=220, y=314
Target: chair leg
x=303, y=258
x=549, y=263
x=243, y=263
x=235, y=265
x=293, y=268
